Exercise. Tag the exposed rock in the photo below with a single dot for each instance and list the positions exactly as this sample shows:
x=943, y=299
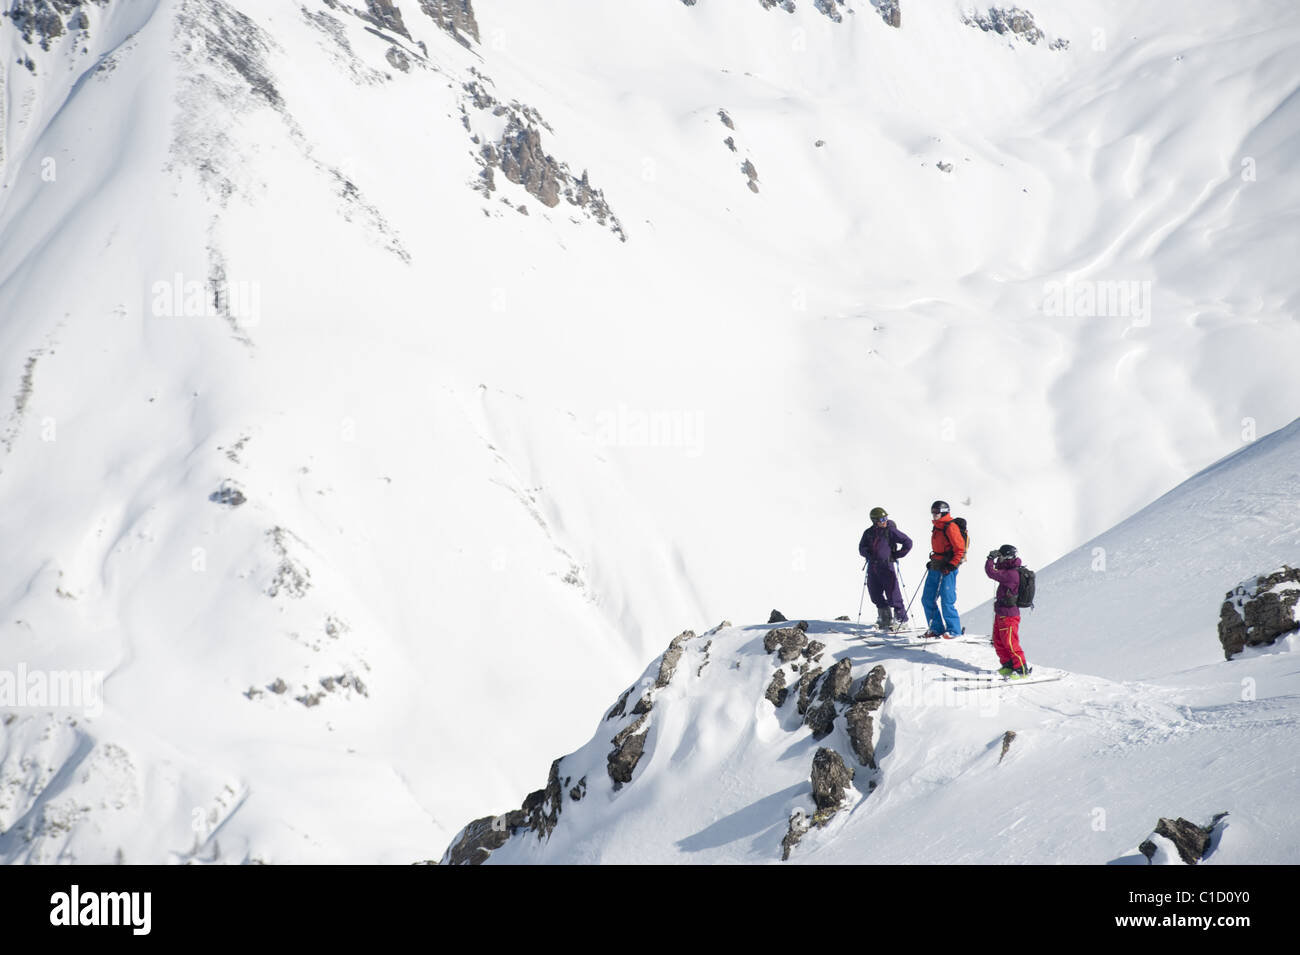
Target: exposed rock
x=837, y=619
x=629, y=746
x=279, y=687
x=668, y=665
x=477, y=841
x=814, y=649
x=228, y=494
x=798, y=827
x=542, y=807
x=786, y=5
x=838, y=680
x=807, y=686
x=726, y=121
x=42, y=21
x=889, y=12
x=790, y=640
x=944, y=166
x=385, y=15
x=872, y=688
x=700, y=668
x=751, y=171
x=802, y=625
x=828, y=8
x=830, y=777
x=776, y=690
x=520, y=157
x=1012, y=21
x=578, y=791
x=731, y=144
x=821, y=719
x=398, y=59
x=291, y=577
x=522, y=160
x=776, y=617
x=1191, y=841
x=644, y=705
x=454, y=16
x=1257, y=612
x=861, y=727
x=1007, y=737
x=618, y=708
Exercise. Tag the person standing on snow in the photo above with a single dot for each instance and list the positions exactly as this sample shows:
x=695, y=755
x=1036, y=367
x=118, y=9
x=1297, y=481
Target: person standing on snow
x=1003, y=566
x=947, y=551
x=883, y=544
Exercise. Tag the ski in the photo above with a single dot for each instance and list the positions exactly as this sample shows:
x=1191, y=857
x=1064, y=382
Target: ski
x=991, y=676
x=982, y=684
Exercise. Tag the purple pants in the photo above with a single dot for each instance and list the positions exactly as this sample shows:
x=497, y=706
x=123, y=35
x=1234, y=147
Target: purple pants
x=883, y=589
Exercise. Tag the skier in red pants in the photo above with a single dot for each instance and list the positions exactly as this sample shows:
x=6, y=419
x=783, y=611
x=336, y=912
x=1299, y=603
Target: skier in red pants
x=1004, y=566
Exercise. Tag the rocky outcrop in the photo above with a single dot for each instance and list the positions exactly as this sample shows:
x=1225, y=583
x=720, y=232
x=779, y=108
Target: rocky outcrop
x=889, y=12
x=830, y=8
x=807, y=686
x=777, y=617
x=871, y=690
x=454, y=16
x=821, y=719
x=668, y=662
x=1192, y=842
x=1007, y=737
x=787, y=642
x=776, y=690
x=830, y=778
x=1012, y=22
x=629, y=747
x=1260, y=610
x=228, y=494
x=477, y=841
x=835, y=688
x=519, y=155
x=43, y=21
x=786, y=5
x=385, y=15
x=862, y=729
x=751, y=172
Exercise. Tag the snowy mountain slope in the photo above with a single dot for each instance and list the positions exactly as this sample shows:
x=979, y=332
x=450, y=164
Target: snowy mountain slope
x=1141, y=601
x=1168, y=728
x=484, y=460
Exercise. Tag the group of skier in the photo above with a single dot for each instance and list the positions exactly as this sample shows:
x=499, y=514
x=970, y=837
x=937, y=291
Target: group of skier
x=883, y=545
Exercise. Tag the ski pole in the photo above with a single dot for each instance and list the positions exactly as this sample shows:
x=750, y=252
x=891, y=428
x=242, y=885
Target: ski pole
x=863, y=599
x=909, y=603
x=899, y=571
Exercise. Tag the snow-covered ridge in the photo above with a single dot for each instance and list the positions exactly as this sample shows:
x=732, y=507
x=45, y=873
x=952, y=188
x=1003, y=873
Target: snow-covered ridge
x=895, y=750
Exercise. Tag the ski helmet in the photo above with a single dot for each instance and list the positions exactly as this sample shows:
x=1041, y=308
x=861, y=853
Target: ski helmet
x=1006, y=552
x=878, y=514
x=939, y=507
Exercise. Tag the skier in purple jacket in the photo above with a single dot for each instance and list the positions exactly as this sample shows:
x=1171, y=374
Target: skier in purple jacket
x=882, y=545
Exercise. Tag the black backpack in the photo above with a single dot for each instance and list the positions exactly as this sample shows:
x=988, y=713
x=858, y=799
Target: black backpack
x=961, y=526
x=1025, y=595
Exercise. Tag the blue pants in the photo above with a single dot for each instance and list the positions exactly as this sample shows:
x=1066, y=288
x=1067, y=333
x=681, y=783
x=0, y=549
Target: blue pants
x=943, y=587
